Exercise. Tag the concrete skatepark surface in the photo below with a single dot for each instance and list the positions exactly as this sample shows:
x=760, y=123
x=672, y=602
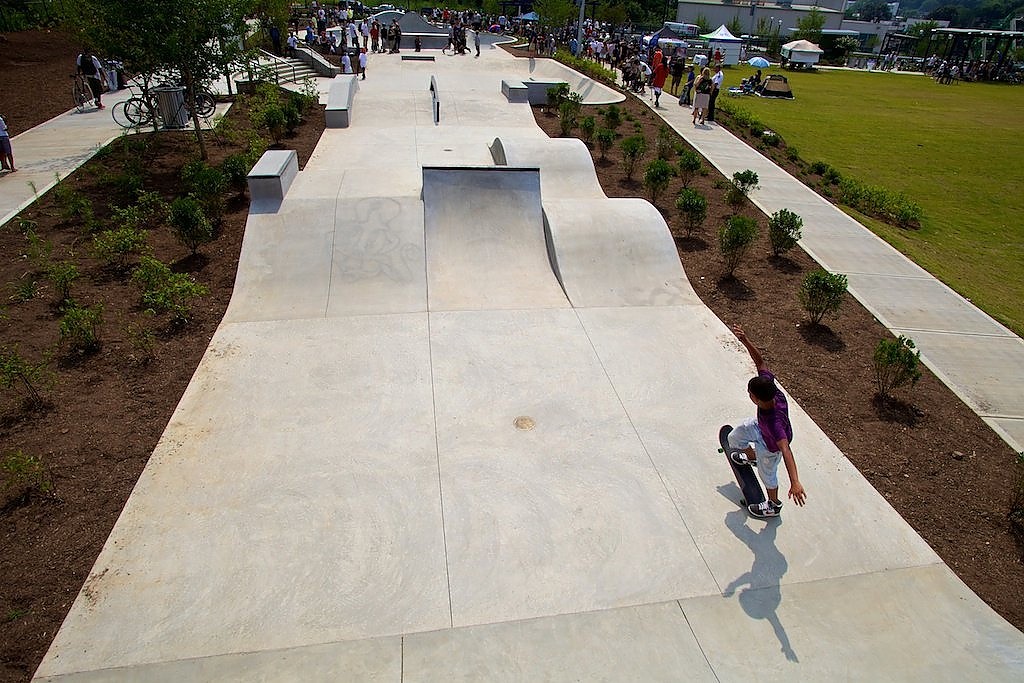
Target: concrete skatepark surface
x=459, y=423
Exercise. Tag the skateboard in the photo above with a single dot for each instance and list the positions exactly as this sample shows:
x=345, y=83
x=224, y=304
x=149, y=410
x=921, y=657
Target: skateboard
x=750, y=487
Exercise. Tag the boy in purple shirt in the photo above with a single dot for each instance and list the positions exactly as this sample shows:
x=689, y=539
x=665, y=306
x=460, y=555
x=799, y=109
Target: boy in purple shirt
x=765, y=440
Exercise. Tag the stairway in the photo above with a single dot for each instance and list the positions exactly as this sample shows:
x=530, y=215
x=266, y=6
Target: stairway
x=284, y=70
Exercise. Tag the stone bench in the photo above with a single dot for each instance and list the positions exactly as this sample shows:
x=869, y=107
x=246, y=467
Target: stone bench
x=339, y=100
x=515, y=91
x=273, y=174
x=537, y=91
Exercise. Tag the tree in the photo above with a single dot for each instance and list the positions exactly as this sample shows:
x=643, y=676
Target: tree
x=948, y=13
x=555, y=13
x=810, y=26
x=735, y=26
x=702, y=23
x=198, y=40
x=869, y=10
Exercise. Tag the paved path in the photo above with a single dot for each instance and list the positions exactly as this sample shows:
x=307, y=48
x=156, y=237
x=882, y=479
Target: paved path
x=375, y=476
x=978, y=358
x=53, y=150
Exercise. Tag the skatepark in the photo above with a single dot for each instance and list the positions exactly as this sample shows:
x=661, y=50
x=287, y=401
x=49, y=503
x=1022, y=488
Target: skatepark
x=459, y=423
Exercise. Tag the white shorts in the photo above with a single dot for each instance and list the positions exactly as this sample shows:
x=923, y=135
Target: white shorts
x=749, y=433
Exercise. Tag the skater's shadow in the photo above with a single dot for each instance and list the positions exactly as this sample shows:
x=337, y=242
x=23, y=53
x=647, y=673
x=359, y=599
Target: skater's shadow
x=759, y=591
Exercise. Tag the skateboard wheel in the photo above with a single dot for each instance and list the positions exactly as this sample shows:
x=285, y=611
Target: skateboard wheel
x=743, y=502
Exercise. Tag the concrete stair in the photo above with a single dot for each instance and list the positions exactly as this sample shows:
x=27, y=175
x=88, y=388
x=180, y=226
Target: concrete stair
x=288, y=70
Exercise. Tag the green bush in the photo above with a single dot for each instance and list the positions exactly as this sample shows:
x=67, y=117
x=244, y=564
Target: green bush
x=771, y=138
x=735, y=241
x=21, y=474
x=62, y=274
x=612, y=117
x=207, y=184
x=745, y=181
x=236, y=172
x=569, y=112
x=556, y=94
x=292, y=116
x=822, y=293
x=115, y=247
x=80, y=328
x=190, y=224
x=694, y=208
x=664, y=143
x=689, y=166
x=657, y=176
x=896, y=365
x=37, y=249
x=605, y=140
x=74, y=206
x=17, y=372
x=588, y=124
x=792, y=153
x=275, y=121
x=633, y=149
x=819, y=167
x=586, y=67
x=784, y=231
x=1017, y=504
x=164, y=291
x=25, y=288
x=893, y=207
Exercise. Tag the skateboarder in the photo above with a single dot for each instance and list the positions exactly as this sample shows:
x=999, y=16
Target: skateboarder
x=765, y=440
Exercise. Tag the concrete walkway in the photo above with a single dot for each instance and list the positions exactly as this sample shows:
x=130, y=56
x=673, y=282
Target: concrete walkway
x=457, y=426
x=53, y=150
x=975, y=356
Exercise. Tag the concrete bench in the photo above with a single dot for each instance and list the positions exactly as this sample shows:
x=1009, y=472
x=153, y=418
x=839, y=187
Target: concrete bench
x=339, y=100
x=515, y=91
x=273, y=174
x=537, y=91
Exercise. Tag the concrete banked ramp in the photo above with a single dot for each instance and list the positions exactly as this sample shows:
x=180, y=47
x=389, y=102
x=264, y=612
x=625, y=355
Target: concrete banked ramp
x=409, y=454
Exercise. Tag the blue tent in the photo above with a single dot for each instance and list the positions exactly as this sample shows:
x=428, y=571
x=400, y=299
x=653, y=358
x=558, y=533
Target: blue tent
x=530, y=16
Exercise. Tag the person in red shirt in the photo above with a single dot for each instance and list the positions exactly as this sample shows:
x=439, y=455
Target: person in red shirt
x=658, y=78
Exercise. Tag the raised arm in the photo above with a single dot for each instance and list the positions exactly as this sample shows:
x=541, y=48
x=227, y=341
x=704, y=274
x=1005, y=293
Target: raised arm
x=755, y=354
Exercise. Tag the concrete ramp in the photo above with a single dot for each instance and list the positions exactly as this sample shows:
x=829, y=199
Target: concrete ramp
x=566, y=168
x=485, y=241
x=619, y=255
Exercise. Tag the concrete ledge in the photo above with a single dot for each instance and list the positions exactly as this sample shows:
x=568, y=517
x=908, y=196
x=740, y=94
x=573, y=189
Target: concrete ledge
x=273, y=174
x=417, y=58
x=316, y=62
x=435, y=100
x=339, y=100
x=515, y=91
x=537, y=91
x=428, y=41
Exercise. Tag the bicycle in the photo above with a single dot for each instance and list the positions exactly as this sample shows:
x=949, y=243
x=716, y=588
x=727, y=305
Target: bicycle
x=142, y=110
x=81, y=93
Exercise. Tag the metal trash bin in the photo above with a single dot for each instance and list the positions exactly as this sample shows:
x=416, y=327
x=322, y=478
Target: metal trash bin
x=171, y=102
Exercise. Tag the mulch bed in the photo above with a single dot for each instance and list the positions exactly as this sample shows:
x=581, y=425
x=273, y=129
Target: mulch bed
x=936, y=462
x=105, y=411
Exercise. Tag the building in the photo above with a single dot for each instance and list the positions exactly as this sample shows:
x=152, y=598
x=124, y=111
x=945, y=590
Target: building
x=756, y=17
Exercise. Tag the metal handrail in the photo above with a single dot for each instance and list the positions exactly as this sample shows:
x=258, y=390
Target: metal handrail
x=275, y=58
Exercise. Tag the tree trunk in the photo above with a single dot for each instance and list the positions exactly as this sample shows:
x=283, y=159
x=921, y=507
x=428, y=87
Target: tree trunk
x=190, y=94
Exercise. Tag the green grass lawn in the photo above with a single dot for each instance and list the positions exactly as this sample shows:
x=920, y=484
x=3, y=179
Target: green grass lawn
x=956, y=150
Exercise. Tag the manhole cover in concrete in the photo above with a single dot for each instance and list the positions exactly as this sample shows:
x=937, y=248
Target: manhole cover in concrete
x=524, y=423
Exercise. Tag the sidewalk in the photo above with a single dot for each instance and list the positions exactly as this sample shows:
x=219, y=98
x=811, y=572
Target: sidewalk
x=975, y=356
x=53, y=150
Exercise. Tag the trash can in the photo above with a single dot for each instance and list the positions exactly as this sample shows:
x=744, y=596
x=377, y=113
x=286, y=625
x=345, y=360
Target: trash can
x=112, y=80
x=171, y=102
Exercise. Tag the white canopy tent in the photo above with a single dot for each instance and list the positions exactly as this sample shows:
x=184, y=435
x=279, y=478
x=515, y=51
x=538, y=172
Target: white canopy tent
x=729, y=45
x=802, y=52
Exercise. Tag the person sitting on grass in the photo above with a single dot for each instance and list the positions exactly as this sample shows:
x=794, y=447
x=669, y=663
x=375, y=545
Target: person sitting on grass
x=763, y=441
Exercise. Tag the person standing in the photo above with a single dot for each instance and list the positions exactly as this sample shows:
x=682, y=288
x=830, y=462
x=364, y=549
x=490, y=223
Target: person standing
x=658, y=79
x=362, y=63
x=476, y=41
x=716, y=86
x=688, y=88
x=375, y=36
x=6, y=153
x=702, y=87
x=764, y=441
x=346, y=63
x=91, y=68
x=677, y=75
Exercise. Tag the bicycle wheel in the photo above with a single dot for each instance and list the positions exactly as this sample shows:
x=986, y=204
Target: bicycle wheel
x=205, y=104
x=80, y=94
x=120, y=116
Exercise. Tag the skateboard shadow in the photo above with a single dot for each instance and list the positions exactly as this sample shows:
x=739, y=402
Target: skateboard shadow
x=760, y=593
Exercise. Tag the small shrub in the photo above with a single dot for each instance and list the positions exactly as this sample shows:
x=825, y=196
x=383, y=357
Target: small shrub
x=143, y=342
x=292, y=116
x=74, y=206
x=190, y=224
x=633, y=149
x=771, y=138
x=792, y=153
x=896, y=365
x=735, y=241
x=742, y=183
x=694, y=208
x=308, y=95
x=206, y=183
x=784, y=231
x=21, y=474
x=819, y=167
x=62, y=274
x=689, y=165
x=150, y=210
x=832, y=176
x=115, y=247
x=605, y=140
x=556, y=94
x=588, y=124
x=822, y=293
x=756, y=129
x=25, y=289
x=1017, y=504
x=37, y=249
x=164, y=291
x=236, y=172
x=664, y=143
x=275, y=121
x=657, y=176
x=80, y=328
x=569, y=112
x=612, y=117
x=26, y=377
